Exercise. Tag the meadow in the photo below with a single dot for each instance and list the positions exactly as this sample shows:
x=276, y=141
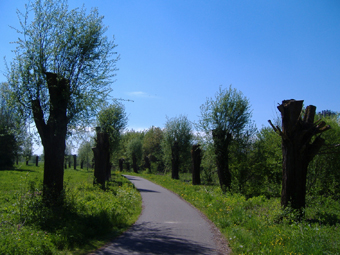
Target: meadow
x=258, y=225
x=89, y=218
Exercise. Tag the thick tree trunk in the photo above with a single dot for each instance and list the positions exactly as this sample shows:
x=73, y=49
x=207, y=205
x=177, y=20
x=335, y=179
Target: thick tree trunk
x=102, y=159
x=54, y=149
x=196, y=164
x=74, y=162
x=53, y=136
x=36, y=160
x=121, y=162
x=297, y=150
x=175, y=161
x=221, y=144
x=134, y=163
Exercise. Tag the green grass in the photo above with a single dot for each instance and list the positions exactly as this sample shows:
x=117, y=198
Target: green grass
x=89, y=218
x=258, y=225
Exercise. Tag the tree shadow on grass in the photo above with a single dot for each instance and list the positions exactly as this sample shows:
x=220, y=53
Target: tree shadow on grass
x=16, y=170
x=76, y=229
x=152, y=238
x=330, y=219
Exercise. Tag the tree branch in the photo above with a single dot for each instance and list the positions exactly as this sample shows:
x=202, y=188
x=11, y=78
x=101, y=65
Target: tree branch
x=38, y=116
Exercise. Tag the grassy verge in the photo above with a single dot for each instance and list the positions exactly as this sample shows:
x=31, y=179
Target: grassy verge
x=258, y=225
x=89, y=218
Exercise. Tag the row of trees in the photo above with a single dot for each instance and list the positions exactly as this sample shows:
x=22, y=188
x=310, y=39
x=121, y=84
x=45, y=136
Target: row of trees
x=60, y=78
x=246, y=160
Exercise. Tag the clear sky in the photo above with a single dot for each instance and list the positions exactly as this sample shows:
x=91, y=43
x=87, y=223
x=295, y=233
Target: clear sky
x=176, y=53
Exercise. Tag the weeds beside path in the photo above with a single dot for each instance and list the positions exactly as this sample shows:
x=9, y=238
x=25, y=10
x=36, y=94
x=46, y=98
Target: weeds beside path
x=89, y=218
x=253, y=226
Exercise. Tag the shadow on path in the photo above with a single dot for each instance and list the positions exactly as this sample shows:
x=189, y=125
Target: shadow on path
x=147, y=190
x=131, y=178
x=150, y=238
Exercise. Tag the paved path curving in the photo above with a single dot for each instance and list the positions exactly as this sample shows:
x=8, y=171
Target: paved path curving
x=167, y=225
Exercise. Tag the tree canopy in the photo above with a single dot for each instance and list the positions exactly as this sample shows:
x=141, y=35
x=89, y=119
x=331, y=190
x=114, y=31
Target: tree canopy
x=113, y=120
x=228, y=111
x=69, y=43
x=178, y=129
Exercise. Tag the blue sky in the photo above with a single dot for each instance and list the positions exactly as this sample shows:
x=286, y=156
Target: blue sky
x=176, y=53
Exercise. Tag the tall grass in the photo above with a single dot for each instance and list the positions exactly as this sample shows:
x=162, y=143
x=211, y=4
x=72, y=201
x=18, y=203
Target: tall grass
x=89, y=217
x=258, y=225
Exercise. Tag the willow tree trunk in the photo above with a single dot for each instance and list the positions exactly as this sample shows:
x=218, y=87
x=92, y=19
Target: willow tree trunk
x=121, y=162
x=222, y=140
x=196, y=164
x=53, y=136
x=74, y=162
x=298, y=150
x=134, y=163
x=102, y=159
x=175, y=161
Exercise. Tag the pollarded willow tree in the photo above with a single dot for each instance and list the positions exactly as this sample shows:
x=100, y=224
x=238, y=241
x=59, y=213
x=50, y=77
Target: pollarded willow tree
x=60, y=75
x=176, y=144
x=112, y=121
x=224, y=118
x=301, y=142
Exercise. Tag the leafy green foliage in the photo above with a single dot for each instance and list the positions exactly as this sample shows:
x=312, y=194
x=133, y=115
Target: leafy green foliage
x=85, y=153
x=88, y=219
x=113, y=120
x=229, y=111
x=177, y=129
x=152, y=148
x=152, y=143
x=69, y=43
x=323, y=176
x=134, y=151
x=12, y=129
x=258, y=171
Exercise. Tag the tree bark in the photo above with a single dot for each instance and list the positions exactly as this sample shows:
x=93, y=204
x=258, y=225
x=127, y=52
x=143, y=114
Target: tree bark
x=297, y=150
x=222, y=140
x=134, y=163
x=102, y=159
x=175, y=161
x=74, y=162
x=196, y=164
x=53, y=135
x=121, y=161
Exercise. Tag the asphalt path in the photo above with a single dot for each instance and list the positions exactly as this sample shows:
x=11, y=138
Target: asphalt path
x=167, y=225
